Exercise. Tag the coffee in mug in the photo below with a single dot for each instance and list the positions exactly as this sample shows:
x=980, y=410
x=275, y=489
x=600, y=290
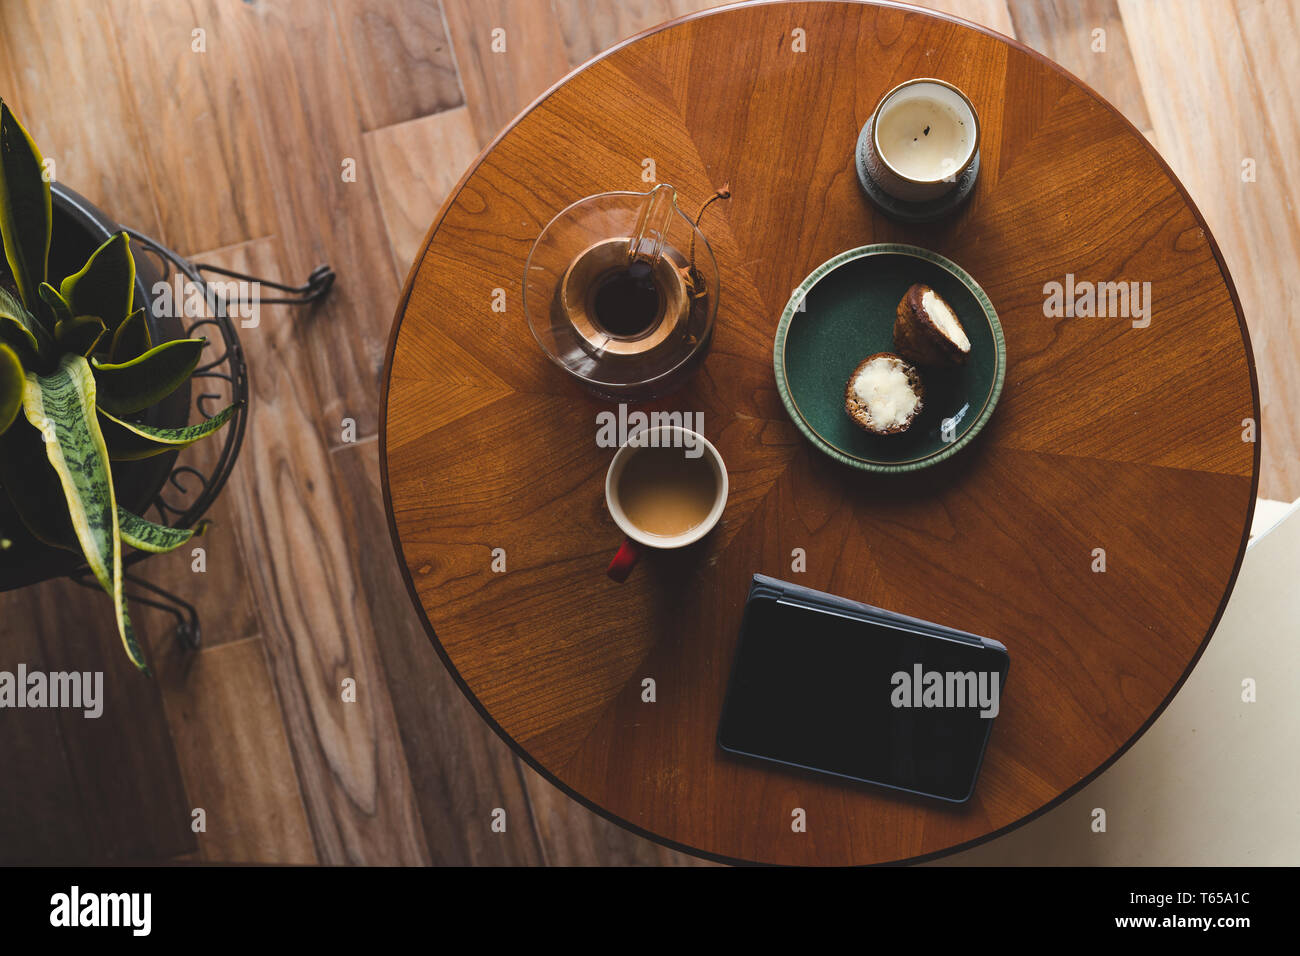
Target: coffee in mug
x=666, y=493
x=666, y=488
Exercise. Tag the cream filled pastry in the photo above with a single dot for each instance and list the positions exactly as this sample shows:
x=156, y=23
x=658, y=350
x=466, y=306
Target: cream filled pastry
x=884, y=394
x=927, y=330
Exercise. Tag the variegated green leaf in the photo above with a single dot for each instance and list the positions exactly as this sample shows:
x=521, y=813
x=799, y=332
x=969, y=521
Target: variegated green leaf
x=106, y=286
x=26, y=212
x=12, y=381
x=62, y=408
x=80, y=334
x=128, y=441
x=127, y=387
x=131, y=340
x=147, y=536
x=12, y=307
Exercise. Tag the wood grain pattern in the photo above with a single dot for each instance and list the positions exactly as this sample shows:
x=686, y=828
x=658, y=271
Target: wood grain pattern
x=303, y=106
x=127, y=798
x=174, y=87
x=1064, y=31
x=6, y=69
x=416, y=166
x=223, y=712
x=571, y=835
x=399, y=59
x=1102, y=440
x=204, y=92
x=460, y=770
x=502, y=81
x=590, y=27
x=220, y=594
x=994, y=14
x=57, y=50
x=356, y=784
x=42, y=817
x=1255, y=222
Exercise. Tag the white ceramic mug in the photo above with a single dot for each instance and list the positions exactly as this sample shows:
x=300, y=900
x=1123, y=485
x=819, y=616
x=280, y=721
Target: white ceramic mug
x=672, y=436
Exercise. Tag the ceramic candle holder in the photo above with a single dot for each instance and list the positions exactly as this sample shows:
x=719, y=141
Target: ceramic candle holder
x=918, y=155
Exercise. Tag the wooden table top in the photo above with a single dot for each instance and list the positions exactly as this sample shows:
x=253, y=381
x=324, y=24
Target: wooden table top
x=1107, y=436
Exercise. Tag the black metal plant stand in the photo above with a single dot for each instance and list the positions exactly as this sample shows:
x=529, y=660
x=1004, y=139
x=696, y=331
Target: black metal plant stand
x=188, y=492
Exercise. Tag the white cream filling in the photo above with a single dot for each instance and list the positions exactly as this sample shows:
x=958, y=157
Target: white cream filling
x=944, y=318
x=884, y=389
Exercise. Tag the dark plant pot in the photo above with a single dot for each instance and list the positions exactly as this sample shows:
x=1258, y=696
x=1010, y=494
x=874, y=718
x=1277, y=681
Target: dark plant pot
x=79, y=229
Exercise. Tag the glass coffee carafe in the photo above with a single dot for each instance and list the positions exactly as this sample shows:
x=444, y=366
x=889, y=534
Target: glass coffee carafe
x=621, y=291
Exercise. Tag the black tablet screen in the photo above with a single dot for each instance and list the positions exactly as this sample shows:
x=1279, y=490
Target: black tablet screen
x=863, y=700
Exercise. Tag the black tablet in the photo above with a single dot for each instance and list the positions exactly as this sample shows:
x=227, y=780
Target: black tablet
x=843, y=688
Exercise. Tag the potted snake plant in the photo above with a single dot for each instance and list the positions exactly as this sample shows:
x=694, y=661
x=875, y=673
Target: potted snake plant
x=79, y=373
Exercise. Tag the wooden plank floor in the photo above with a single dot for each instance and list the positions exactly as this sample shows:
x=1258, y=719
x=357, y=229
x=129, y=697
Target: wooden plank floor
x=235, y=155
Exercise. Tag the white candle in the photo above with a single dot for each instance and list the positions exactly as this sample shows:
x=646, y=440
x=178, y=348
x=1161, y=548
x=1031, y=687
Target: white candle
x=926, y=132
x=922, y=137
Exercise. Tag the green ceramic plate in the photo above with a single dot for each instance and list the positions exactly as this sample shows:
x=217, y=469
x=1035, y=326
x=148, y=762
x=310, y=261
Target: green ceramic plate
x=848, y=314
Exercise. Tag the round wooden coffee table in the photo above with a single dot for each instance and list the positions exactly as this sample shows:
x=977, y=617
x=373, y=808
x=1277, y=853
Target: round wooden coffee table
x=1114, y=440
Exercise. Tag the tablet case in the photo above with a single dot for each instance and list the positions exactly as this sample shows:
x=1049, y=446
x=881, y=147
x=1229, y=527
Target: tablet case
x=763, y=586
x=766, y=587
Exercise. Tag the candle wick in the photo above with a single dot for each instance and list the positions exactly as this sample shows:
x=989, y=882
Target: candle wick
x=926, y=131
